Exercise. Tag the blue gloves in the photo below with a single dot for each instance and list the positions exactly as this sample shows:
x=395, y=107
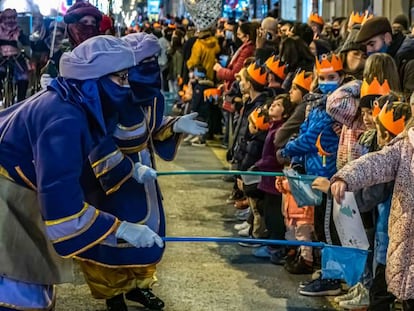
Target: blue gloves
x=143, y=173
x=138, y=235
x=187, y=124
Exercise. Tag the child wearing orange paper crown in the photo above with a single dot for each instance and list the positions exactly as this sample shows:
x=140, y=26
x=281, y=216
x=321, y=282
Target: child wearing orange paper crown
x=276, y=74
x=317, y=143
x=280, y=110
x=258, y=127
x=301, y=85
x=393, y=276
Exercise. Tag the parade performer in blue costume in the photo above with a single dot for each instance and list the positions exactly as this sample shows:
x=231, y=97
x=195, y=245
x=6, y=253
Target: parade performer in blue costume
x=48, y=167
x=139, y=131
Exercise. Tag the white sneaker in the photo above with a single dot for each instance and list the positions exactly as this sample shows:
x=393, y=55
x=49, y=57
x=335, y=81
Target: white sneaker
x=195, y=139
x=241, y=226
x=359, y=301
x=353, y=292
x=244, y=232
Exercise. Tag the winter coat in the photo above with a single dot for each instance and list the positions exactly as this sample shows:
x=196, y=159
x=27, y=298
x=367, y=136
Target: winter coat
x=175, y=65
x=236, y=64
x=290, y=210
x=204, y=53
x=242, y=135
x=318, y=124
x=268, y=161
x=343, y=106
x=198, y=104
x=393, y=162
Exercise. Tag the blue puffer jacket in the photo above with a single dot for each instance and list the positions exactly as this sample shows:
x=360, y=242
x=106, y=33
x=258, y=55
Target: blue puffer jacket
x=317, y=125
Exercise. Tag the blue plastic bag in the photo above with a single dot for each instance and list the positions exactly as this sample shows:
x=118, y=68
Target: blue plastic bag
x=301, y=188
x=343, y=263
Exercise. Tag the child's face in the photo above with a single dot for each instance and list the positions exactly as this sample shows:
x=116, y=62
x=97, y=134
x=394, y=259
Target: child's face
x=382, y=138
x=244, y=85
x=367, y=118
x=276, y=110
x=295, y=94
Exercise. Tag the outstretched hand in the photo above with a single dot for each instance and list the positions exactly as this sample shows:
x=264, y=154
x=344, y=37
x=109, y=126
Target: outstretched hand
x=189, y=125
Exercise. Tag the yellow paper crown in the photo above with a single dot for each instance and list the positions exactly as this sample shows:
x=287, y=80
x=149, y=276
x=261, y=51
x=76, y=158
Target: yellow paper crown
x=374, y=88
x=257, y=73
x=328, y=66
x=357, y=18
x=276, y=66
x=386, y=117
x=260, y=119
x=315, y=18
x=303, y=82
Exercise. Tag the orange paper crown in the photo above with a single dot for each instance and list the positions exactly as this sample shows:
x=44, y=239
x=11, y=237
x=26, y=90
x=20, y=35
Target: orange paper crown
x=303, y=82
x=326, y=66
x=257, y=73
x=276, y=66
x=212, y=93
x=315, y=18
x=375, y=88
x=260, y=118
x=386, y=117
x=367, y=16
x=357, y=18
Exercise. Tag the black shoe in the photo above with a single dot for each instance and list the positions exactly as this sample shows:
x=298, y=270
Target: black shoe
x=116, y=303
x=146, y=298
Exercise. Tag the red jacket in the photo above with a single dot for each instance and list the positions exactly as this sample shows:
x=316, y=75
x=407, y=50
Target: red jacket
x=236, y=64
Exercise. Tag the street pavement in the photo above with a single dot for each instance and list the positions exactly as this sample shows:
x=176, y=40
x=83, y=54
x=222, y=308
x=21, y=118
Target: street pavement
x=206, y=276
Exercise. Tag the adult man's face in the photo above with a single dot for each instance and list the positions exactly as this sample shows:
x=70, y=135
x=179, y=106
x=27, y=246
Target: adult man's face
x=378, y=44
x=268, y=28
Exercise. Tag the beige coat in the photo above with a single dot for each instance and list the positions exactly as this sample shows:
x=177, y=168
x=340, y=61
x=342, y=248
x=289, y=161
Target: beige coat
x=393, y=162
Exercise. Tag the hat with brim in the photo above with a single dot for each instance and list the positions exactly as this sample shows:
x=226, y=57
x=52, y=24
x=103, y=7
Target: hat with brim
x=96, y=57
x=373, y=27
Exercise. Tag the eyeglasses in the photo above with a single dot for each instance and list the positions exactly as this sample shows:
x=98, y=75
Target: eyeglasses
x=123, y=76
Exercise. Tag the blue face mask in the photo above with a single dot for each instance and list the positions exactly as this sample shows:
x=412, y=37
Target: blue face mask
x=328, y=86
x=383, y=49
x=113, y=96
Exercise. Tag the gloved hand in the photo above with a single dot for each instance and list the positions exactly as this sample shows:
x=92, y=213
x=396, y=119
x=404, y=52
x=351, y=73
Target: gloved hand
x=45, y=80
x=143, y=173
x=138, y=235
x=187, y=124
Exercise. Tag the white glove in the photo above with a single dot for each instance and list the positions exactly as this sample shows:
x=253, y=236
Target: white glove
x=138, y=235
x=187, y=124
x=143, y=173
x=45, y=80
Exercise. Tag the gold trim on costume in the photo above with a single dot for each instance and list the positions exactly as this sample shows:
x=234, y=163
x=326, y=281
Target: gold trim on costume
x=115, y=266
x=105, y=158
x=134, y=149
x=5, y=173
x=108, y=165
x=130, y=135
x=64, y=219
x=130, y=128
x=24, y=178
x=118, y=185
x=77, y=233
x=113, y=228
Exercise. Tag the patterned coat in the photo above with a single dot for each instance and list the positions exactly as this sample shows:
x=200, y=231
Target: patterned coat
x=393, y=162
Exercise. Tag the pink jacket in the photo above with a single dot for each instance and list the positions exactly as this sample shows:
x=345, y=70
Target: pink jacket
x=393, y=162
x=294, y=214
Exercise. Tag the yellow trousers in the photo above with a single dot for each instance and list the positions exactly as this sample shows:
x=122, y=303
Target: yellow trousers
x=105, y=282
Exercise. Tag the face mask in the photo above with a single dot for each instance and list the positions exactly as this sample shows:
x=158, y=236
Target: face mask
x=113, y=96
x=328, y=86
x=335, y=32
x=79, y=32
x=383, y=49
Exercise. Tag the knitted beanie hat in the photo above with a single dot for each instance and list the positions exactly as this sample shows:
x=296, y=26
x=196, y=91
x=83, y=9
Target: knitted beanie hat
x=401, y=19
x=373, y=27
x=81, y=9
x=96, y=57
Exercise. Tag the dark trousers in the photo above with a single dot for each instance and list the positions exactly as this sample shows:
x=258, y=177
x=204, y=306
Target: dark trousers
x=272, y=212
x=319, y=223
x=379, y=298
